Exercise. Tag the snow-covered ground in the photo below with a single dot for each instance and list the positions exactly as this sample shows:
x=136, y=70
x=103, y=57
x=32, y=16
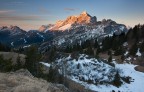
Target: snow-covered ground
x=128, y=70
x=84, y=69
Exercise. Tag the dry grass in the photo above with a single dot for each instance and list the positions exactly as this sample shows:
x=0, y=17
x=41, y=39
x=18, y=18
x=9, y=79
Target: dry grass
x=19, y=82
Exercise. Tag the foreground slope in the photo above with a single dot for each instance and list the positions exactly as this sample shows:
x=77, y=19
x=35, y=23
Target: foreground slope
x=23, y=81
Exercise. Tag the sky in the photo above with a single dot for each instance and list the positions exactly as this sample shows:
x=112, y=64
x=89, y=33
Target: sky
x=31, y=14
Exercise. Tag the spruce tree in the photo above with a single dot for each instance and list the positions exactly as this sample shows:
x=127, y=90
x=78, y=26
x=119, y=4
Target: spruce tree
x=117, y=80
x=133, y=49
x=110, y=58
x=142, y=47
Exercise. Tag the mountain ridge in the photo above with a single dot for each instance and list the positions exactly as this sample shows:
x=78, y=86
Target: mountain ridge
x=83, y=18
x=71, y=30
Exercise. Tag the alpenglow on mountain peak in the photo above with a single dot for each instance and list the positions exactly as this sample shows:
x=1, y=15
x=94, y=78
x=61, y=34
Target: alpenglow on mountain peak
x=82, y=19
x=85, y=12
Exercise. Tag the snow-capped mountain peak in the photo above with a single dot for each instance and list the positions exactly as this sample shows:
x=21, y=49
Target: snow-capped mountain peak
x=83, y=19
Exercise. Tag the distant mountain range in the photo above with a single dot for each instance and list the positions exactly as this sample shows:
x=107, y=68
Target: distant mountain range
x=72, y=30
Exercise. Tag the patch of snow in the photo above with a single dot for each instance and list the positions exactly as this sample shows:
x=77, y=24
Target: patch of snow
x=65, y=27
x=140, y=42
x=12, y=43
x=122, y=28
x=61, y=41
x=126, y=53
x=41, y=36
x=125, y=44
x=46, y=64
x=129, y=58
x=26, y=46
x=25, y=41
x=138, y=52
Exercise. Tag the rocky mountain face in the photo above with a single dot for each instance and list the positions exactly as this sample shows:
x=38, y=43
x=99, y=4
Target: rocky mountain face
x=23, y=81
x=83, y=18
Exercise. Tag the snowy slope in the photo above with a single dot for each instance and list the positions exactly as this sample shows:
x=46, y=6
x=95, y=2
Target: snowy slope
x=85, y=32
x=128, y=70
x=95, y=74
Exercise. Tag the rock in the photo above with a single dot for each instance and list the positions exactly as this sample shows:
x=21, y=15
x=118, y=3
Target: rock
x=23, y=81
x=139, y=68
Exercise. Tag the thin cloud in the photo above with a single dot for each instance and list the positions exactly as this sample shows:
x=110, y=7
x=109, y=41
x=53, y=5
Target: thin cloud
x=6, y=11
x=69, y=9
x=15, y=3
x=11, y=15
x=44, y=10
x=20, y=18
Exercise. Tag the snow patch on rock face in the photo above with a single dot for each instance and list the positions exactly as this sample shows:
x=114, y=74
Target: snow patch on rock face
x=12, y=43
x=46, y=64
x=126, y=53
x=61, y=41
x=25, y=41
x=65, y=27
x=138, y=52
x=26, y=46
x=41, y=36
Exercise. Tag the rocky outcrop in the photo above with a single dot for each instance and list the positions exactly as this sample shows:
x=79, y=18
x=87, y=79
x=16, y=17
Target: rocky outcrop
x=23, y=81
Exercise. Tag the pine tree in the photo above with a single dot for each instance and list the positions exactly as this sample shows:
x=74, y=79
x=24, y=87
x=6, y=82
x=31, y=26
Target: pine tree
x=18, y=64
x=117, y=80
x=119, y=51
x=33, y=57
x=133, y=49
x=110, y=58
x=96, y=44
x=142, y=47
x=52, y=54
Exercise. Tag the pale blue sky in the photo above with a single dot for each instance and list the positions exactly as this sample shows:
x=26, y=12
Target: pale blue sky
x=31, y=14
